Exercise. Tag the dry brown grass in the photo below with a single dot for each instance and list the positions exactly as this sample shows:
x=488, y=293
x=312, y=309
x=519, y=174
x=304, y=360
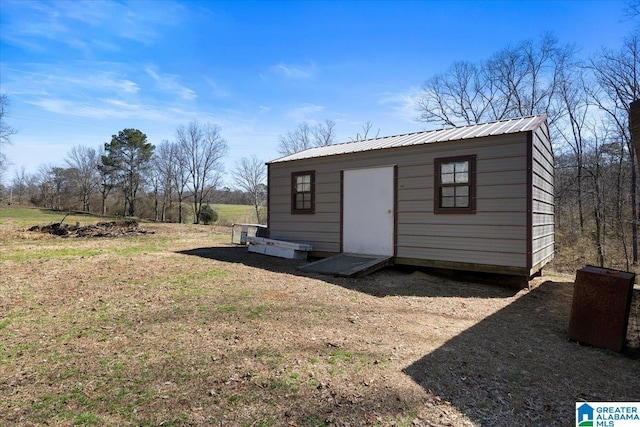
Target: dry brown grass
x=181, y=328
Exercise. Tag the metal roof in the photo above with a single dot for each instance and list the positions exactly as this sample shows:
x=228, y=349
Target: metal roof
x=501, y=127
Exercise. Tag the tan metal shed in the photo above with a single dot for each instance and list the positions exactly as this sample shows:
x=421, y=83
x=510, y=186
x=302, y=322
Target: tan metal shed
x=476, y=198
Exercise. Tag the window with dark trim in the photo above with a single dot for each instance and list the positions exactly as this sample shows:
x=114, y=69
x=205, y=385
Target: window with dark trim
x=455, y=185
x=303, y=192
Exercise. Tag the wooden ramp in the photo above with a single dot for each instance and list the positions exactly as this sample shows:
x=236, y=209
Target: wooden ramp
x=348, y=265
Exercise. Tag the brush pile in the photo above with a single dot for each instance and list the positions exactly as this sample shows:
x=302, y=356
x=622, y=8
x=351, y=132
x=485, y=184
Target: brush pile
x=101, y=229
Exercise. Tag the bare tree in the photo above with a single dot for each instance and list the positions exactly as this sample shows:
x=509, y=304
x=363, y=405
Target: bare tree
x=366, y=128
x=202, y=147
x=573, y=102
x=464, y=94
x=180, y=177
x=6, y=131
x=20, y=184
x=526, y=76
x=518, y=80
x=617, y=76
x=296, y=141
x=164, y=160
x=595, y=172
x=306, y=136
x=632, y=10
x=83, y=172
x=250, y=175
x=323, y=133
x=53, y=187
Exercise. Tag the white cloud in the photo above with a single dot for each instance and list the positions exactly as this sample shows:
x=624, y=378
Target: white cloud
x=144, y=22
x=129, y=86
x=88, y=25
x=67, y=82
x=305, y=113
x=169, y=83
x=403, y=105
x=217, y=90
x=100, y=109
x=295, y=71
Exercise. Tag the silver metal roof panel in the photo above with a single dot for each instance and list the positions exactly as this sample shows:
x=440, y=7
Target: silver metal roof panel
x=502, y=127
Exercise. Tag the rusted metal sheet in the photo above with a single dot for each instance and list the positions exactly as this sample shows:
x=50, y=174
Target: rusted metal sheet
x=600, y=307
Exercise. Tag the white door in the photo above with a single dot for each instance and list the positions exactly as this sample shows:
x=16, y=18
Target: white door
x=368, y=211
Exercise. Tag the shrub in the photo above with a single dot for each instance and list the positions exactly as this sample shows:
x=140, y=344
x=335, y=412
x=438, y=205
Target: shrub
x=208, y=215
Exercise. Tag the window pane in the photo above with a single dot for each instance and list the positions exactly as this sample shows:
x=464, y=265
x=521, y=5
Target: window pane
x=448, y=191
x=455, y=196
x=447, y=168
x=303, y=200
x=462, y=190
x=462, y=177
x=447, y=173
x=447, y=178
x=462, y=166
x=462, y=172
x=303, y=183
x=306, y=204
x=462, y=202
x=454, y=172
x=447, y=202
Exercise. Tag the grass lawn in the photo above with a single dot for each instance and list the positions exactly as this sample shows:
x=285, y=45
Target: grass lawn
x=235, y=214
x=25, y=217
x=180, y=327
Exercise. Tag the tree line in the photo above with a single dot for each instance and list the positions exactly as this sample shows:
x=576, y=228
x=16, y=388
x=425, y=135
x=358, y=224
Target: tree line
x=129, y=176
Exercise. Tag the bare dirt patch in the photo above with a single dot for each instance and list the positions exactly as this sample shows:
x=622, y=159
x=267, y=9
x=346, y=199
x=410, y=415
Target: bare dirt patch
x=181, y=328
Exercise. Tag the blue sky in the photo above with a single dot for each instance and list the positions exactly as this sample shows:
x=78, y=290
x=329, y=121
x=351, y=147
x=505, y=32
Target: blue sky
x=77, y=72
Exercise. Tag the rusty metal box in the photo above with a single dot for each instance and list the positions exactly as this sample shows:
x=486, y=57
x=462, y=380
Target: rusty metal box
x=600, y=307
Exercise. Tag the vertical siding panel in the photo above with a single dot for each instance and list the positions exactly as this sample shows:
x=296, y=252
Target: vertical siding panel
x=543, y=208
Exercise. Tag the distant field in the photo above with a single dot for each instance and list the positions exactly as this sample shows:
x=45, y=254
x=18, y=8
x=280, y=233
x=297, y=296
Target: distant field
x=235, y=214
x=26, y=217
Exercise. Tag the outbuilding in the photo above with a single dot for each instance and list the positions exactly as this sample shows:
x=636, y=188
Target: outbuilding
x=475, y=198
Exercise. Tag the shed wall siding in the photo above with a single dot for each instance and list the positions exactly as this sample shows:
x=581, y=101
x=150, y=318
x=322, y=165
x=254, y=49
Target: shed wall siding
x=543, y=208
x=495, y=235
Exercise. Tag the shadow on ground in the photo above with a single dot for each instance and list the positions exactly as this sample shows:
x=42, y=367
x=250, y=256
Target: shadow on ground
x=515, y=367
x=391, y=281
x=520, y=357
